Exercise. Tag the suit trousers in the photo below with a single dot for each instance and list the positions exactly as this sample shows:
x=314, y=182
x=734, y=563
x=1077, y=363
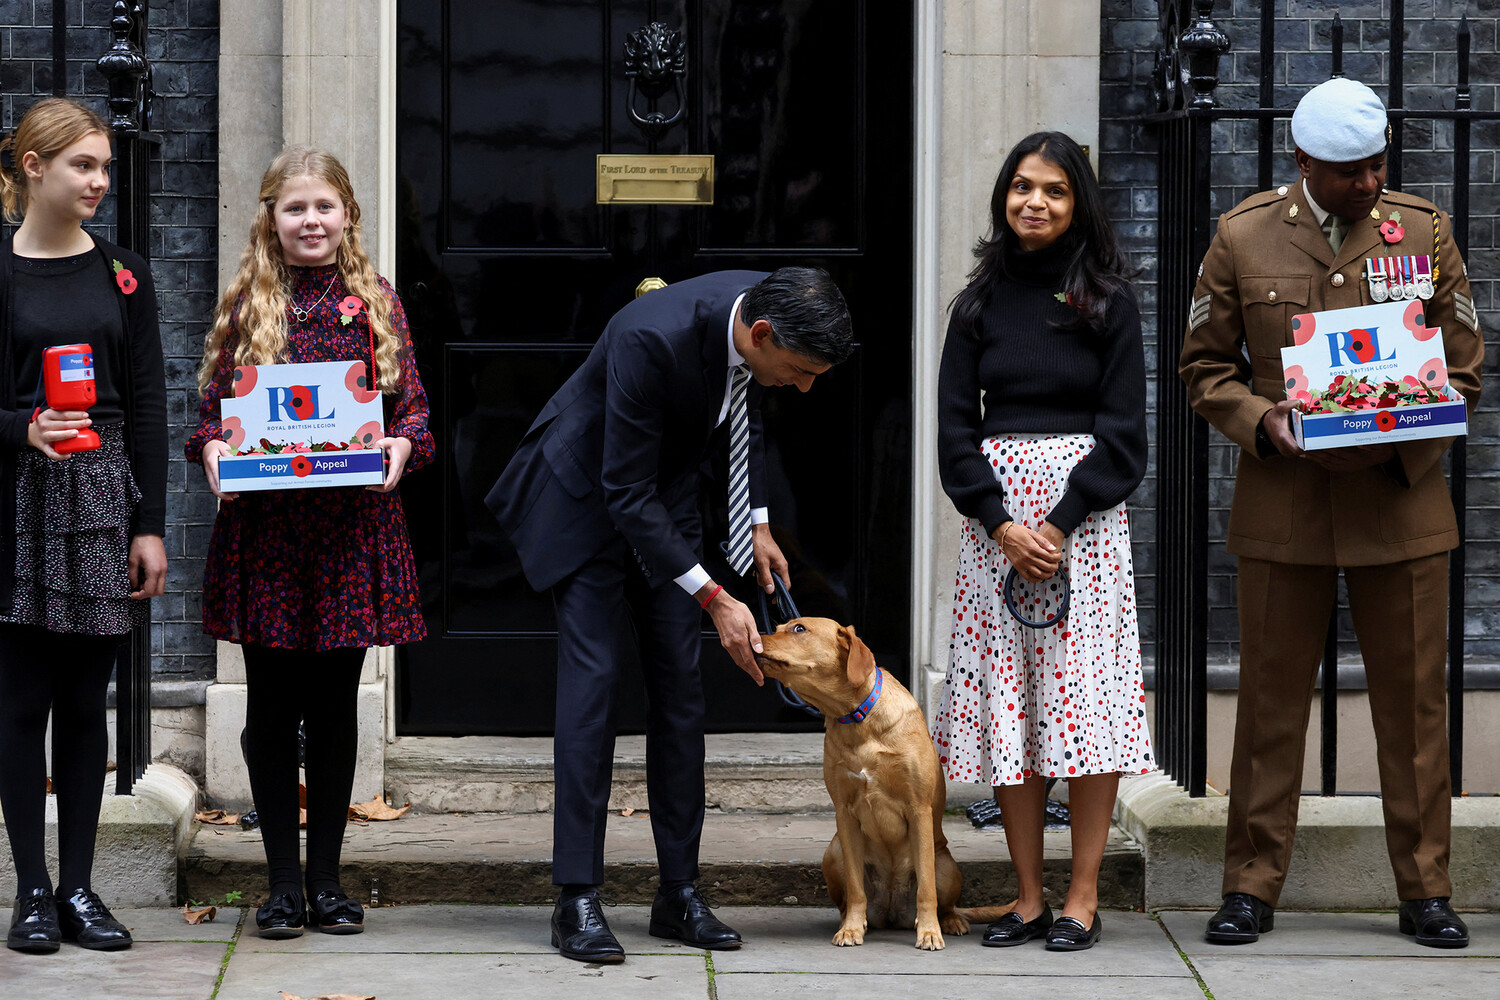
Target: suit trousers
x=602, y=610
x=1400, y=618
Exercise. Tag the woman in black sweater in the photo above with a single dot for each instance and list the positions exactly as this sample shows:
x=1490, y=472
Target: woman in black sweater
x=80, y=534
x=1041, y=437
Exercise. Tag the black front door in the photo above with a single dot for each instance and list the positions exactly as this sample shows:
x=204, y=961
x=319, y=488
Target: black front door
x=509, y=269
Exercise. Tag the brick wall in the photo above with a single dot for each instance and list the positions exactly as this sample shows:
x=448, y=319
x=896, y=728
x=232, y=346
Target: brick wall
x=183, y=45
x=1127, y=163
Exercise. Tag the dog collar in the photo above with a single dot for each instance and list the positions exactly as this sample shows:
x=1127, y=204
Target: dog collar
x=868, y=705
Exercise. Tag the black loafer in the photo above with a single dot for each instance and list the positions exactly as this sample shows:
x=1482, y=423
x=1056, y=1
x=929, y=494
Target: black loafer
x=683, y=916
x=1012, y=929
x=1241, y=919
x=33, y=923
x=332, y=912
x=1069, y=934
x=1433, y=923
x=283, y=917
x=84, y=918
x=580, y=932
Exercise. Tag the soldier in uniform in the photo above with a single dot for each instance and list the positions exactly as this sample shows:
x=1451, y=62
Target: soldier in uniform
x=1381, y=513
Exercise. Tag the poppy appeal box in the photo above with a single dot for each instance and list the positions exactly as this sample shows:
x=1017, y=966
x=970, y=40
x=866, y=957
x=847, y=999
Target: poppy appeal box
x=1368, y=375
x=298, y=426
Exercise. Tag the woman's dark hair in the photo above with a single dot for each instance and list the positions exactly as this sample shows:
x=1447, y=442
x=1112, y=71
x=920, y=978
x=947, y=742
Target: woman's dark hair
x=1095, y=271
x=806, y=311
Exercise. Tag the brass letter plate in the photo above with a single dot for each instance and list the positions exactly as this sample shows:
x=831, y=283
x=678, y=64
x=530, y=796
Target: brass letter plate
x=645, y=179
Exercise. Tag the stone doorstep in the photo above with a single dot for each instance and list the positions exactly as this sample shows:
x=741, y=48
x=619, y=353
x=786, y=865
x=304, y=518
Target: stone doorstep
x=1339, y=859
x=747, y=859
x=141, y=837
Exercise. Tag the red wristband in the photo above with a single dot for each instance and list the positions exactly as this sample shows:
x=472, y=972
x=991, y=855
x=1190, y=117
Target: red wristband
x=710, y=598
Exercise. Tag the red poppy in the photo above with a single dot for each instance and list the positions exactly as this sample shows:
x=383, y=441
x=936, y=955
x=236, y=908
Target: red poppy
x=302, y=401
x=1296, y=381
x=350, y=305
x=126, y=281
x=1392, y=231
x=231, y=430
x=367, y=435
x=357, y=381
x=1385, y=420
x=301, y=466
x=1434, y=373
x=1362, y=344
x=244, y=380
x=1302, y=328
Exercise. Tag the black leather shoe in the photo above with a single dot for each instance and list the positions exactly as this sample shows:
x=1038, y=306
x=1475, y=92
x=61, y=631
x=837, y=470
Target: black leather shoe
x=282, y=917
x=33, y=923
x=84, y=918
x=580, y=932
x=1012, y=929
x=1241, y=919
x=332, y=912
x=683, y=915
x=1068, y=934
x=1433, y=923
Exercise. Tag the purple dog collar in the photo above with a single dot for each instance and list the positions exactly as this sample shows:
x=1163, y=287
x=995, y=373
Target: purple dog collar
x=868, y=705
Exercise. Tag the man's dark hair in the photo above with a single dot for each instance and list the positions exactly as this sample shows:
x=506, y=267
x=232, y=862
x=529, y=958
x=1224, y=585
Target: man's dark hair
x=806, y=311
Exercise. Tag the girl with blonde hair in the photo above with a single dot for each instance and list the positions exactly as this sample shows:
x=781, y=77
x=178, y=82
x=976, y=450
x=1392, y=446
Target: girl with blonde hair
x=80, y=531
x=306, y=580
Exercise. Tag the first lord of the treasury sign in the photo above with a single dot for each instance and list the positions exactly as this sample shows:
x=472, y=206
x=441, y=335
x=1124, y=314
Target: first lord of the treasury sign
x=297, y=426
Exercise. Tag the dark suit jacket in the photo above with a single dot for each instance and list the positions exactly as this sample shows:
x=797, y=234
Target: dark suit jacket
x=617, y=450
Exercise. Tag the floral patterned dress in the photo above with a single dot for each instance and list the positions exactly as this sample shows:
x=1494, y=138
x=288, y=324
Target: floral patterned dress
x=321, y=568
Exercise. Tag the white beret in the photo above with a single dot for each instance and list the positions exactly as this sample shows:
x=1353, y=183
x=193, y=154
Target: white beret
x=1340, y=121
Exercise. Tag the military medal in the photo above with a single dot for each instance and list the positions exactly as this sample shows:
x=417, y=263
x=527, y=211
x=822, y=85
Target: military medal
x=1408, y=278
x=1424, y=276
x=1391, y=269
x=1375, y=272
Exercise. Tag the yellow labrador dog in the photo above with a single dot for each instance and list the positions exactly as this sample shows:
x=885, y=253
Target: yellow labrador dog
x=889, y=864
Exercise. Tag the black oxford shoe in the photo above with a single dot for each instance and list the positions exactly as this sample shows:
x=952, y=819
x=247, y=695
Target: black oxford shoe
x=33, y=923
x=1241, y=919
x=84, y=918
x=282, y=917
x=580, y=932
x=683, y=915
x=1069, y=934
x=1433, y=923
x=1013, y=929
x=335, y=913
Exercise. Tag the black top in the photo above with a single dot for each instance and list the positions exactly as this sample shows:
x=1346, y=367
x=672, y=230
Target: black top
x=1037, y=375
x=78, y=300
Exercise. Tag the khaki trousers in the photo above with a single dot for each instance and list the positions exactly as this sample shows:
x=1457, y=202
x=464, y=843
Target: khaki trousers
x=1400, y=618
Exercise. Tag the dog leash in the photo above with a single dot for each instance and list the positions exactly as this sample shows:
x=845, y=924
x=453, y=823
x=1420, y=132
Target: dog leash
x=1009, y=592
x=786, y=608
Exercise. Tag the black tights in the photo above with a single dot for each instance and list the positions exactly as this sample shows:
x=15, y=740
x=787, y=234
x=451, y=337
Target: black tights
x=68, y=676
x=285, y=687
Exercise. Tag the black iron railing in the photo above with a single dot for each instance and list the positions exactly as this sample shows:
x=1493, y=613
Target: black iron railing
x=1185, y=77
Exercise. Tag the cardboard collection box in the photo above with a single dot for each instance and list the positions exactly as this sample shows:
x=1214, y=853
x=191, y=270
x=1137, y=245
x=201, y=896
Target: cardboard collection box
x=1381, y=343
x=300, y=426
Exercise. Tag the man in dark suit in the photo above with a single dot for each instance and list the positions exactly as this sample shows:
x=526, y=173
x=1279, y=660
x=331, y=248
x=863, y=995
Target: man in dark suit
x=601, y=502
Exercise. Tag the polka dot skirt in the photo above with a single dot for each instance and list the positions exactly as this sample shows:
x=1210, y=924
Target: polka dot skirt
x=1061, y=701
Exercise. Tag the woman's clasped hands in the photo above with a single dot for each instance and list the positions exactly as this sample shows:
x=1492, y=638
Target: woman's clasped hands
x=1035, y=554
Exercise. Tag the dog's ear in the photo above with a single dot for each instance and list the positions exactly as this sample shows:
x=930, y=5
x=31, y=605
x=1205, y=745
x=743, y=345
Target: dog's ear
x=859, y=662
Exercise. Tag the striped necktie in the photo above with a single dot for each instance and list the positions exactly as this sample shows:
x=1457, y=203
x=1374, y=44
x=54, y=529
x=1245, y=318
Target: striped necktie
x=740, y=550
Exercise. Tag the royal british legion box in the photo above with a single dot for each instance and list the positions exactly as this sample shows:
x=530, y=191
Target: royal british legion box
x=1360, y=350
x=297, y=426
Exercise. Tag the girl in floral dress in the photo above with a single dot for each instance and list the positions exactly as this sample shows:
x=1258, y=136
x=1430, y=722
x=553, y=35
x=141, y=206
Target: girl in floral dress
x=306, y=580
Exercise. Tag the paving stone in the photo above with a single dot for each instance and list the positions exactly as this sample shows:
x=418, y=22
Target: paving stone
x=754, y=986
x=169, y=925
x=148, y=971
x=1332, y=934
x=258, y=975
x=781, y=940
x=1257, y=978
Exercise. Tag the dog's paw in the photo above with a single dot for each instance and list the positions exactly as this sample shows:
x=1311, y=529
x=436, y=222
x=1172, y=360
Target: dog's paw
x=931, y=940
x=849, y=936
x=954, y=923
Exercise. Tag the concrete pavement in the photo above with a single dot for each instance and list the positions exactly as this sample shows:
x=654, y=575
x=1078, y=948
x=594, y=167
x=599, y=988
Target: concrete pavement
x=452, y=952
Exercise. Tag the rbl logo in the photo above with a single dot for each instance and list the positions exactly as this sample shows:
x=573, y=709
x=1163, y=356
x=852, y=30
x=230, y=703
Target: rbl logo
x=1360, y=347
x=297, y=402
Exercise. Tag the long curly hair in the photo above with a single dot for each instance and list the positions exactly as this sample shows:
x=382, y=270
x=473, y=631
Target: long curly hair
x=254, y=305
x=51, y=126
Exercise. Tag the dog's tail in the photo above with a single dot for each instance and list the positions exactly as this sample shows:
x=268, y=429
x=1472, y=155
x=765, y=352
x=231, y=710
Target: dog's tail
x=983, y=914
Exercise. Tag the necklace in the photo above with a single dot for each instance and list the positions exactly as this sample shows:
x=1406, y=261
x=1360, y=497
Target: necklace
x=300, y=315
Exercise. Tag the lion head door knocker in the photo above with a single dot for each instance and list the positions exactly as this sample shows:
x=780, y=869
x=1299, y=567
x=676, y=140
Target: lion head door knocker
x=655, y=61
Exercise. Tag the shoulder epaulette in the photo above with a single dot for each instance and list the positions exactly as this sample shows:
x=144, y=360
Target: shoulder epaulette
x=1408, y=200
x=1261, y=200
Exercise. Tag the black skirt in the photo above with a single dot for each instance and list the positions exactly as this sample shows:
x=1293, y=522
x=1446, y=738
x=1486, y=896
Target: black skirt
x=73, y=540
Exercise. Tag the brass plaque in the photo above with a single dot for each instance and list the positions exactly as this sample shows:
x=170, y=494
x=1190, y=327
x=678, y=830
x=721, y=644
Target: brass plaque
x=644, y=179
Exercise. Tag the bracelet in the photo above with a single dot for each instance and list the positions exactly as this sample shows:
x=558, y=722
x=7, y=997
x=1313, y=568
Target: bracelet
x=1003, y=532
x=710, y=598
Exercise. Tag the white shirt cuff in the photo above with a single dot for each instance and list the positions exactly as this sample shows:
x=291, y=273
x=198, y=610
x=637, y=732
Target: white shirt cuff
x=693, y=580
x=760, y=515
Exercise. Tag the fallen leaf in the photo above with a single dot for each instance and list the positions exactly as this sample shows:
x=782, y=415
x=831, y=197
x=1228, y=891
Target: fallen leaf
x=201, y=916
x=49, y=786
x=627, y=812
x=217, y=817
x=376, y=809
x=302, y=795
x=302, y=819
